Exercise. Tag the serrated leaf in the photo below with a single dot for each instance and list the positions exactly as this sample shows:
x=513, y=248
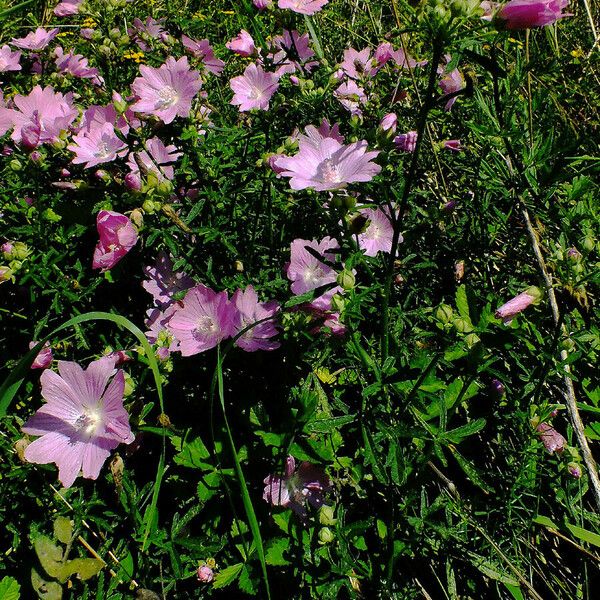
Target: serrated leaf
x=227, y=576
x=246, y=583
x=9, y=589
x=329, y=424
x=193, y=454
x=63, y=529
x=46, y=590
x=275, y=550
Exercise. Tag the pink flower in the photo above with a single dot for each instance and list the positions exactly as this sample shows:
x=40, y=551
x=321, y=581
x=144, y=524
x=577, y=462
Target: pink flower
x=96, y=145
x=76, y=65
x=552, y=440
x=324, y=163
x=525, y=14
x=298, y=485
x=452, y=145
x=407, y=142
x=9, y=60
x=519, y=303
x=96, y=116
x=251, y=311
x=36, y=40
x=303, y=7
x=166, y=92
x=41, y=116
x=378, y=235
x=158, y=333
x=453, y=81
x=574, y=470
x=294, y=52
x=306, y=271
x=202, y=320
x=242, y=44
x=351, y=96
x=389, y=123
x=488, y=8
x=82, y=420
x=163, y=282
x=205, y=574
x=202, y=50
x=117, y=237
x=44, y=358
x=152, y=28
x=66, y=8
x=262, y=4
x=359, y=65
x=314, y=136
x=254, y=88
x=157, y=159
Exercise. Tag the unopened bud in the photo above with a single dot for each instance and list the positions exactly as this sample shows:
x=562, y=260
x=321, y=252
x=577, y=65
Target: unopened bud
x=326, y=536
x=346, y=279
x=327, y=515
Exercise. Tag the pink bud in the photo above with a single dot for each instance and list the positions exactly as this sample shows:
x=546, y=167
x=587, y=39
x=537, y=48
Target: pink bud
x=519, y=303
x=44, y=359
x=574, y=470
x=133, y=182
x=552, y=440
x=452, y=145
x=262, y=4
x=389, y=123
x=117, y=237
x=205, y=574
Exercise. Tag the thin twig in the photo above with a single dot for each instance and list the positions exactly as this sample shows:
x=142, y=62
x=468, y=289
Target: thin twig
x=569, y=389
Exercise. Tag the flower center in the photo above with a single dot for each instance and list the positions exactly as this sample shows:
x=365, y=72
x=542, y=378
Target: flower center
x=313, y=273
x=256, y=93
x=330, y=172
x=206, y=325
x=103, y=150
x=168, y=97
x=89, y=422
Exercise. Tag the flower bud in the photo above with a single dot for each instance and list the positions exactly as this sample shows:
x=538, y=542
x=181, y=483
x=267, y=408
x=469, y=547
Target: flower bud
x=205, y=574
x=137, y=217
x=19, y=251
x=574, y=254
x=129, y=385
x=5, y=273
x=326, y=536
x=327, y=515
x=346, y=279
x=497, y=388
x=387, y=126
x=574, y=470
x=338, y=303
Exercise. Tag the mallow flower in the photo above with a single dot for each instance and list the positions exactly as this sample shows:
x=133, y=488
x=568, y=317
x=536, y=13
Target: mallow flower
x=242, y=44
x=253, y=89
x=163, y=282
x=303, y=7
x=82, y=420
x=96, y=145
x=9, y=60
x=526, y=14
x=36, y=40
x=510, y=309
x=377, y=237
x=118, y=236
x=258, y=337
x=305, y=270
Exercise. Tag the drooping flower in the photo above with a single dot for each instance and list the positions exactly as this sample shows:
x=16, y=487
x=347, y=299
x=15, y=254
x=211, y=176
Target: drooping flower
x=41, y=116
x=242, y=44
x=359, y=65
x=324, y=163
x=251, y=310
x=76, y=65
x=36, y=40
x=156, y=160
x=351, y=96
x=96, y=145
x=306, y=271
x=526, y=14
x=82, y=420
x=377, y=237
x=202, y=319
x=254, y=88
x=298, y=485
x=66, y=8
x=451, y=82
x=202, y=50
x=519, y=303
x=407, y=142
x=163, y=282
x=9, y=60
x=552, y=440
x=303, y=7
x=117, y=237
x=44, y=358
x=166, y=92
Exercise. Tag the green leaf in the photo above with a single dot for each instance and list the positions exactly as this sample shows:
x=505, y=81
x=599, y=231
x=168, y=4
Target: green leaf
x=227, y=576
x=462, y=303
x=470, y=470
x=459, y=433
x=246, y=583
x=192, y=454
x=545, y=521
x=583, y=534
x=46, y=590
x=275, y=550
x=49, y=554
x=9, y=589
x=63, y=529
x=84, y=567
x=329, y=424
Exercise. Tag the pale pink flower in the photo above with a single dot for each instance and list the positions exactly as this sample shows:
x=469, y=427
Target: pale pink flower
x=44, y=358
x=250, y=311
x=41, y=116
x=66, y=8
x=96, y=116
x=359, y=65
x=293, y=52
x=202, y=50
x=254, y=88
x=385, y=52
x=552, y=440
x=117, y=237
x=452, y=145
x=378, y=235
x=327, y=164
x=205, y=574
x=242, y=44
x=76, y=65
x=314, y=136
x=82, y=420
x=452, y=82
x=518, y=304
x=166, y=92
x=303, y=7
x=525, y=14
x=9, y=60
x=389, y=123
x=143, y=31
x=351, y=97
x=158, y=333
x=306, y=271
x=297, y=486
x=96, y=145
x=36, y=40
x=163, y=282
x=489, y=9
x=157, y=159
x=202, y=320
x=407, y=142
